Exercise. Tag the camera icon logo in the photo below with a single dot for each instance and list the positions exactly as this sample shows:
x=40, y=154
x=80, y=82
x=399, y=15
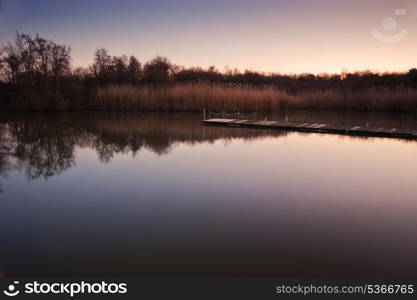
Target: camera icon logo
x=390, y=25
x=12, y=290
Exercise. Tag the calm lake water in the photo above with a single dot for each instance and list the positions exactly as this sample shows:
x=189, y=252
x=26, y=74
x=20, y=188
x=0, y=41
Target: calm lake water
x=128, y=194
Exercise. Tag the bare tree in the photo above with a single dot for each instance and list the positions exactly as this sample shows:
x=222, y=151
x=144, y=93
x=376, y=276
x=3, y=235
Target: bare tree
x=134, y=70
x=120, y=69
x=412, y=75
x=102, y=64
x=60, y=60
x=30, y=59
x=157, y=70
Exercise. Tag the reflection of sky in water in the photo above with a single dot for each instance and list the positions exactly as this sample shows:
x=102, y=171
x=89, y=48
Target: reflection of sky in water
x=297, y=204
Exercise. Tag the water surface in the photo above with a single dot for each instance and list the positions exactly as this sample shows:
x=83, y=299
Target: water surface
x=129, y=194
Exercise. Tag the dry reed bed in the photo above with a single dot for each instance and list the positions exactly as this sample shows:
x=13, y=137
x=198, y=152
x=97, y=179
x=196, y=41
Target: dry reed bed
x=193, y=97
x=185, y=97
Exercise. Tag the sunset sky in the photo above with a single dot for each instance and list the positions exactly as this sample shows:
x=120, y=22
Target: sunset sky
x=287, y=36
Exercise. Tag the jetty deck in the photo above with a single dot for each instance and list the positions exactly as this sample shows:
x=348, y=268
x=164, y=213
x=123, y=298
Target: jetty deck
x=317, y=128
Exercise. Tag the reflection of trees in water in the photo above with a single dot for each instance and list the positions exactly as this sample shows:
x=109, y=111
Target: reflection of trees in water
x=5, y=151
x=159, y=133
x=5, y=167
x=44, y=155
x=41, y=149
x=44, y=145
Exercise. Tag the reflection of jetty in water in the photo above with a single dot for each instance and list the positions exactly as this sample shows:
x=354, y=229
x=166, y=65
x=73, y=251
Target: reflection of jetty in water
x=44, y=145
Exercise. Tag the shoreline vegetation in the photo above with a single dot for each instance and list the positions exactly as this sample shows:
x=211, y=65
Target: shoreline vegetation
x=218, y=97
x=36, y=75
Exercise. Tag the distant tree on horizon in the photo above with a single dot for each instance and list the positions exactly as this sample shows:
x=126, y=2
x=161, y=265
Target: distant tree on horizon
x=412, y=75
x=102, y=64
x=157, y=70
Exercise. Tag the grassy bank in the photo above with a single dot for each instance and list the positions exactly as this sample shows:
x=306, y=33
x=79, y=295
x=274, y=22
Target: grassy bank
x=218, y=97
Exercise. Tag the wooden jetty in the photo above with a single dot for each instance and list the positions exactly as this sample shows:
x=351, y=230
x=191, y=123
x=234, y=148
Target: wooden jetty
x=317, y=128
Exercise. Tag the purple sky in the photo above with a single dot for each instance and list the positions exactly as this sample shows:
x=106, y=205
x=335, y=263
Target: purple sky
x=287, y=36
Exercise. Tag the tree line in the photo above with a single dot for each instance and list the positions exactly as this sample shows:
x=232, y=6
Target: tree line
x=38, y=71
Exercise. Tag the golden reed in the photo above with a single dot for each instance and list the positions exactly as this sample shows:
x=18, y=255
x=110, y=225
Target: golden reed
x=219, y=97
